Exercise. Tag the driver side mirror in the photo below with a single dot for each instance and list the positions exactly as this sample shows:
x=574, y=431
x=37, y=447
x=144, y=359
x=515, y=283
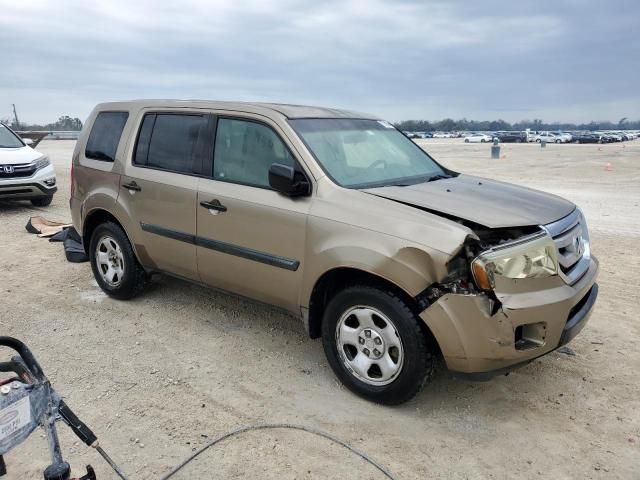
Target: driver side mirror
x=27, y=141
x=283, y=179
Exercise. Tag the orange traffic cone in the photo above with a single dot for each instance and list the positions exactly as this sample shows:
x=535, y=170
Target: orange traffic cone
x=609, y=167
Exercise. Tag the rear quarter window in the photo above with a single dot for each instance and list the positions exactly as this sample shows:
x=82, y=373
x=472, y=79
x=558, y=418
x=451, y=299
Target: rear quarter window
x=105, y=136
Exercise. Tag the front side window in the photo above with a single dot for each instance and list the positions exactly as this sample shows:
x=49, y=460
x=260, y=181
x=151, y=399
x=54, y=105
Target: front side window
x=170, y=142
x=105, y=136
x=244, y=151
x=365, y=153
x=8, y=139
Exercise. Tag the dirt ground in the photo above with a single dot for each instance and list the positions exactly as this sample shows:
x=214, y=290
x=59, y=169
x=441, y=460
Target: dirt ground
x=160, y=375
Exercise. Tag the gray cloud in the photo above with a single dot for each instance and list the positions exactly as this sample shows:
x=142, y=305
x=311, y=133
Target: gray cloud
x=563, y=60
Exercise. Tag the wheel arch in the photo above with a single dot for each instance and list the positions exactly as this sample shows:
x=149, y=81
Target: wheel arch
x=96, y=217
x=336, y=279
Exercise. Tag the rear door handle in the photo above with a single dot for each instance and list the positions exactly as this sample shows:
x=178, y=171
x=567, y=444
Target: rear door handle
x=133, y=186
x=214, y=205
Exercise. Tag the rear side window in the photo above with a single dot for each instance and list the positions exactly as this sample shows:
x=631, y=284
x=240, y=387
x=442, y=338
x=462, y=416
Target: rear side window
x=244, y=151
x=105, y=136
x=171, y=142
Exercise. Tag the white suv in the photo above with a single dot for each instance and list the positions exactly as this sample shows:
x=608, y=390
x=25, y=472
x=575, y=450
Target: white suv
x=24, y=172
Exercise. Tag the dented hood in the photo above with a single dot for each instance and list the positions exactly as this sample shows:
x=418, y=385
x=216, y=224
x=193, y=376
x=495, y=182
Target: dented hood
x=489, y=203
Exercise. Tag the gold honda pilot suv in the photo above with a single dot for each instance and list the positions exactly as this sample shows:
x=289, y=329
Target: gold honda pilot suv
x=338, y=218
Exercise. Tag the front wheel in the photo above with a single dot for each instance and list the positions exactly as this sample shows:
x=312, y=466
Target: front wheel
x=114, y=264
x=375, y=345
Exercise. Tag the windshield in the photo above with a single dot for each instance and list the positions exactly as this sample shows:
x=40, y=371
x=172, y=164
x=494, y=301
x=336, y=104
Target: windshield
x=8, y=138
x=365, y=153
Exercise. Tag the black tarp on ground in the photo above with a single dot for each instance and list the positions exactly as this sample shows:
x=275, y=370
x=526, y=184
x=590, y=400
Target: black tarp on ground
x=71, y=240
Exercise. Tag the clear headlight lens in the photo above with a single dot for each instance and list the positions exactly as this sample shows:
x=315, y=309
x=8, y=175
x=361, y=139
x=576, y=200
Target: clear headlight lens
x=42, y=162
x=535, y=258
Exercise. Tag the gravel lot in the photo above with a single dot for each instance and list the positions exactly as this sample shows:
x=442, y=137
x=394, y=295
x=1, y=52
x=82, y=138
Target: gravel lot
x=157, y=376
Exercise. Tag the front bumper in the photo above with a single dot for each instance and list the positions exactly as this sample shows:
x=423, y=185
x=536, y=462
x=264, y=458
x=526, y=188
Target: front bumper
x=476, y=339
x=41, y=184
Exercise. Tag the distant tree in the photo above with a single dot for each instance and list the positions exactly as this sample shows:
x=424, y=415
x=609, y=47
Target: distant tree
x=65, y=122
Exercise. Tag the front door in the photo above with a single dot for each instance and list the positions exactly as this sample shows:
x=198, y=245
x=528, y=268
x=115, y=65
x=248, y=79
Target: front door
x=159, y=188
x=251, y=239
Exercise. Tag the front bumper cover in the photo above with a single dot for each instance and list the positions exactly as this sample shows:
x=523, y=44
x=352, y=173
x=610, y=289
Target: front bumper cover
x=476, y=339
x=29, y=187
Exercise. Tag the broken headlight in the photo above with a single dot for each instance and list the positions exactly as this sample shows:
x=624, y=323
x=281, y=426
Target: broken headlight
x=531, y=257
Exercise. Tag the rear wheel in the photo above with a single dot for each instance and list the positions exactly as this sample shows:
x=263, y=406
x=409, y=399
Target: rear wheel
x=42, y=201
x=375, y=345
x=114, y=264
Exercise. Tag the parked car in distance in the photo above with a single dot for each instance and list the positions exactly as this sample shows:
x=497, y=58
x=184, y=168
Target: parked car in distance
x=510, y=137
x=393, y=259
x=586, y=138
x=478, y=138
x=609, y=137
x=548, y=138
x=25, y=174
x=442, y=135
x=566, y=137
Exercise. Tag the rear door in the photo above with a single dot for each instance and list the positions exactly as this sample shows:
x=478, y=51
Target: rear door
x=159, y=188
x=251, y=239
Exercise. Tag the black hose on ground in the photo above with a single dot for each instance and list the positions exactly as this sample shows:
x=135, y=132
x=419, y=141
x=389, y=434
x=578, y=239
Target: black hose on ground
x=272, y=426
x=268, y=426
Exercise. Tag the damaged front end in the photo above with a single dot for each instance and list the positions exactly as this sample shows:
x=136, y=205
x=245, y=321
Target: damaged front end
x=465, y=268
x=505, y=300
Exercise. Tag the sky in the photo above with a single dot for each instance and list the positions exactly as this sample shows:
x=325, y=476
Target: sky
x=562, y=60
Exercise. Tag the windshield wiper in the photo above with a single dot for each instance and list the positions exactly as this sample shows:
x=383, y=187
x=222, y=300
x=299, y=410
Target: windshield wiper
x=433, y=178
x=440, y=176
x=98, y=155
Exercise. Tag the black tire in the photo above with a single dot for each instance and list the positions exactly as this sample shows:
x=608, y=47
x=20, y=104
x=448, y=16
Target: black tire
x=466, y=140
x=538, y=141
x=133, y=279
x=558, y=141
x=418, y=358
x=42, y=201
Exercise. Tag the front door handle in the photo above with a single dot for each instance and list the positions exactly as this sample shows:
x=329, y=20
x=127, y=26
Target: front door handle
x=214, y=205
x=133, y=186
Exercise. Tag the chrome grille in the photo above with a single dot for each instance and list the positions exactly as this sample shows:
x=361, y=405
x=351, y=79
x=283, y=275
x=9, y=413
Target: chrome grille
x=17, y=171
x=571, y=237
